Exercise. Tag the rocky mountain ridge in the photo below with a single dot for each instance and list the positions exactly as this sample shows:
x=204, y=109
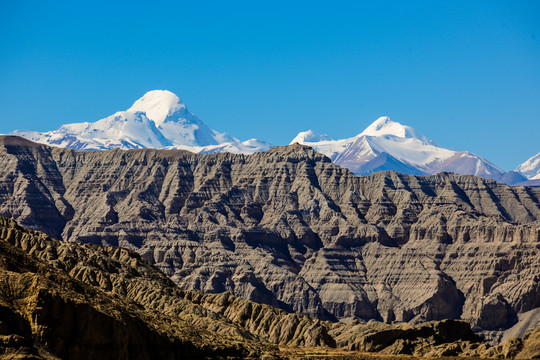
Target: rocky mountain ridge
x=290, y=229
x=48, y=313
x=124, y=274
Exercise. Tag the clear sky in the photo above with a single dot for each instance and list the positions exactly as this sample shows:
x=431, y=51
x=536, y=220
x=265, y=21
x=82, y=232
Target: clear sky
x=466, y=74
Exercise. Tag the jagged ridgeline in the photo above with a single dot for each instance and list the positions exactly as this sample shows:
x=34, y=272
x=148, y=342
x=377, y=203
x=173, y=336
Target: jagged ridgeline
x=288, y=228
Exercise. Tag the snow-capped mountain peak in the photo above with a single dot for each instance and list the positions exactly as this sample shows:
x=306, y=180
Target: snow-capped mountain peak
x=158, y=105
x=310, y=136
x=176, y=123
x=385, y=126
x=159, y=119
x=531, y=168
x=389, y=145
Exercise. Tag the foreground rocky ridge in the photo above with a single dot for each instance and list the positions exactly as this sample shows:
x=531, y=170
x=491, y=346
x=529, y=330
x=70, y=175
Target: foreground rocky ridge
x=46, y=313
x=71, y=300
x=290, y=229
x=122, y=272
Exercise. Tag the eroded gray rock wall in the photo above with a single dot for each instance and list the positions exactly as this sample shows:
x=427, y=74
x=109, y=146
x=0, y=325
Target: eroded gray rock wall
x=288, y=228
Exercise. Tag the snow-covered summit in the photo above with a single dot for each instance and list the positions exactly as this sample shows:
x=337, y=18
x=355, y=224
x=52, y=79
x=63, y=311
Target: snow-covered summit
x=385, y=126
x=389, y=145
x=158, y=105
x=159, y=119
x=176, y=123
x=310, y=136
x=531, y=168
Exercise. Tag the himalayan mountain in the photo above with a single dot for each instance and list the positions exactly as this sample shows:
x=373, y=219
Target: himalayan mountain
x=531, y=170
x=157, y=120
x=161, y=120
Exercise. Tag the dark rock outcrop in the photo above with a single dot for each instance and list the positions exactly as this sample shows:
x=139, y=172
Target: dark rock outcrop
x=442, y=338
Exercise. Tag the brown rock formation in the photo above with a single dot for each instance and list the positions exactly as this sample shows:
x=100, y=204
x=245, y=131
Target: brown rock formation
x=123, y=273
x=526, y=348
x=290, y=229
x=432, y=339
x=45, y=313
x=531, y=346
x=72, y=300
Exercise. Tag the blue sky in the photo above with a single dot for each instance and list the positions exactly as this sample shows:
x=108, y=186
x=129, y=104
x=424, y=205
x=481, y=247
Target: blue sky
x=466, y=74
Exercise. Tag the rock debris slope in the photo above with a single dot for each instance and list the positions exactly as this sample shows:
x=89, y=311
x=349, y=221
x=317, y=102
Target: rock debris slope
x=288, y=228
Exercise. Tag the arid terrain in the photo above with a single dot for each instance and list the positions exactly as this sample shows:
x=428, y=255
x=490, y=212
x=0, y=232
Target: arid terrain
x=391, y=256
x=70, y=300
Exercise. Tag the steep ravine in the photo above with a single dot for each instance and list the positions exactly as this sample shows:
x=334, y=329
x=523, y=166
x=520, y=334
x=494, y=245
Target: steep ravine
x=288, y=228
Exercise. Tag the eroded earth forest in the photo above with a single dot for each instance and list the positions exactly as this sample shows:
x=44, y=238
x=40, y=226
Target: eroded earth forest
x=167, y=254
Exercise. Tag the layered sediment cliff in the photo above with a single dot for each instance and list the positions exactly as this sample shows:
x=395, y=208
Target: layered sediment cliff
x=288, y=228
x=73, y=300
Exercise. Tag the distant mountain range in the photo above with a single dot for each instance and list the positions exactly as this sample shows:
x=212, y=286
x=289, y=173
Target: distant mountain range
x=161, y=120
